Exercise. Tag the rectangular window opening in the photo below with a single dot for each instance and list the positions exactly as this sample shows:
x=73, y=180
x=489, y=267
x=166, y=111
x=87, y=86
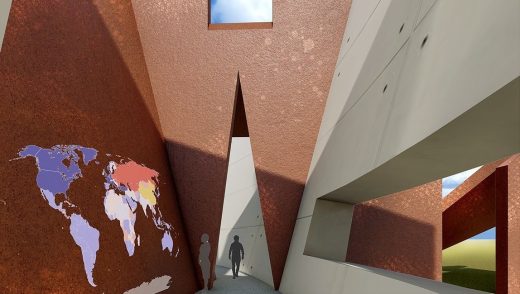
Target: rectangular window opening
x=240, y=14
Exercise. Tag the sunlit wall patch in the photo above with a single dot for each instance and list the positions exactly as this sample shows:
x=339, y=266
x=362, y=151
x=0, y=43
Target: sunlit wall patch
x=240, y=14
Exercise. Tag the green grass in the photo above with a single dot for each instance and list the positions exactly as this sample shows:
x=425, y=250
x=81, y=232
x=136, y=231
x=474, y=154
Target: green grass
x=470, y=264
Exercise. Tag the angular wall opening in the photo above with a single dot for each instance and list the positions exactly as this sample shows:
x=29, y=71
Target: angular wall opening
x=450, y=183
x=240, y=14
x=460, y=236
x=242, y=213
x=469, y=229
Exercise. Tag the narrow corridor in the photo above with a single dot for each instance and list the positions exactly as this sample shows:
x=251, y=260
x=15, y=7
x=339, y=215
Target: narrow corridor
x=244, y=284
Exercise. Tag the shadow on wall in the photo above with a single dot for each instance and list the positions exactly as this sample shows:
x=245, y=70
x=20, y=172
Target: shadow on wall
x=63, y=81
x=200, y=179
x=400, y=232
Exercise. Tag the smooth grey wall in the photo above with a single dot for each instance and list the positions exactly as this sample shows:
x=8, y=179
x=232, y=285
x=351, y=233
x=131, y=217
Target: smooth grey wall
x=5, y=7
x=329, y=230
x=242, y=214
x=389, y=93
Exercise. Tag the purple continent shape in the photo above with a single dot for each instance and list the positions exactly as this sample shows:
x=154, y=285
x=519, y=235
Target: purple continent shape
x=58, y=167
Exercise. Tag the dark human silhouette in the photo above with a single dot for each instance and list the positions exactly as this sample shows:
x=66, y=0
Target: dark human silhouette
x=236, y=254
x=204, y=262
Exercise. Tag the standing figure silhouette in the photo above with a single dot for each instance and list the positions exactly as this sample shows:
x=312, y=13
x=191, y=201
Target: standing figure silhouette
x=204, y=262
x=235, y=250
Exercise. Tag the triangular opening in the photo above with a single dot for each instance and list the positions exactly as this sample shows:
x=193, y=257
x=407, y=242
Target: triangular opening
x=240, y=128
x=242, y=213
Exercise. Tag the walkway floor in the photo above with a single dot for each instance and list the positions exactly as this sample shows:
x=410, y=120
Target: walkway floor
x=244, y=284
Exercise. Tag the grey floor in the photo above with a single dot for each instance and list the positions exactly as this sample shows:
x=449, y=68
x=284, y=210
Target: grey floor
x=244, y=284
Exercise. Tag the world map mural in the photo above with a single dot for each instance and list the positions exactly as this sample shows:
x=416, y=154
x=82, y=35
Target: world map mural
x=129, y=186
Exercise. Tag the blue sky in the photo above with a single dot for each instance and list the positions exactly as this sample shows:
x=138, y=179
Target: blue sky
x=489, y=234
x=239, y=11
x=452, y=182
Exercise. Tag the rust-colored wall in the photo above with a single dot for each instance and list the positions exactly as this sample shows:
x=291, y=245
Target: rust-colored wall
x=472, y=214
x=470, y=183
x=285, y=73
x=508, y=226
x=513, y=227
x=502, y=223
x=119, y=20
x=400, y=232
x=490, y=197
x=72, y=72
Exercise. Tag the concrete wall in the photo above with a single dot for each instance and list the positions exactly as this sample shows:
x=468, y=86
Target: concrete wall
x=330, y=243
x=400, y=113
x=390, y=93
x=306, y=274
x=5, y=7
x=242, y=214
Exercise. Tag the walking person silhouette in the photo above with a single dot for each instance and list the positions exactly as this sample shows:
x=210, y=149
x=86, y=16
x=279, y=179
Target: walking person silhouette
x=235, y=251
x=204, y=262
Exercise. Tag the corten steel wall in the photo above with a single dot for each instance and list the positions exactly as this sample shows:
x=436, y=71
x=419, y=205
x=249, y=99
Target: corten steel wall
x=400, y=232
x=491, y=197
x=508, y=226
x=285, y=73
x=470, y=208
x=72, y=72
x=470, y=183
x=513, y=226
x=472, y=214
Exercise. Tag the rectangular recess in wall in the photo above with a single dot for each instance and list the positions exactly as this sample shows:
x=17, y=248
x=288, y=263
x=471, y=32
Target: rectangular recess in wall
x=329, y=231
x=240, y=14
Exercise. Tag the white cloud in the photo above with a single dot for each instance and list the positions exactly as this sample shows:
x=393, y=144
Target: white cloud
x=450, y=183
x=238, y=11
x=446, y=191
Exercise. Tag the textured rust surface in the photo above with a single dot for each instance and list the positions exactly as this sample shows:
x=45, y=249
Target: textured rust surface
x=502, y=224
x=470, y=183
x=119, y=20
x=285, y=73
x=71, y=72
x=493, y=199
x=400, y=232
x=508, y=226
x=472, y=214
x=513, y=255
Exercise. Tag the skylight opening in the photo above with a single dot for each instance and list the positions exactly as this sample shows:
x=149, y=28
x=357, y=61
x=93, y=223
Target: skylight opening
x=258, y=13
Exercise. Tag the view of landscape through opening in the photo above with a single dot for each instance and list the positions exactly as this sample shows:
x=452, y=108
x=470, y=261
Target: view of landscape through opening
x=469, y=262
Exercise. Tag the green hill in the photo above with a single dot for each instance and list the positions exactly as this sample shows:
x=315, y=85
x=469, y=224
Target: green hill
x=470, y=264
